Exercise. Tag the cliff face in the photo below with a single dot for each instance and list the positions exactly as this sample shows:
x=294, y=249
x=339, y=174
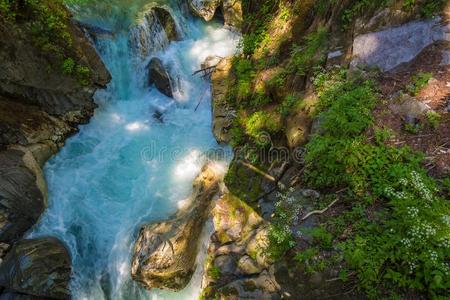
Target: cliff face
x=315, y=78
x=49, y=73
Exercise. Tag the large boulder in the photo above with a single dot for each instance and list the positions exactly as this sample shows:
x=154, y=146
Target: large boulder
x=153, y=32
x=164, y=254
x=167, y=22
x=23, y=193
x=37, y=267
x=223, y=116
x=391, y=47
x=160, y=77
x=204, y=8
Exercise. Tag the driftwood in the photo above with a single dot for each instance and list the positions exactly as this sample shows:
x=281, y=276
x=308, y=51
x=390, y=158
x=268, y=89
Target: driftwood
x=257, y=170
x=206, y=71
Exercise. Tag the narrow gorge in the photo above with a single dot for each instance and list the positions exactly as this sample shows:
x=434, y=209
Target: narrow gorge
x=224, y=149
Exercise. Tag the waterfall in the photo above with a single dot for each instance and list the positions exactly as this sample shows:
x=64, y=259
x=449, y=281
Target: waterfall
x=126, y=168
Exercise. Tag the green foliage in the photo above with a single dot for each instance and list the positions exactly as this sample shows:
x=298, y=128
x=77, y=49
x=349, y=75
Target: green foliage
x=358, y=7
x=214, y=272
x=244, y=71
x=310, y=54
x=434, y=119
x=419, y=81
x=281, y=240
x=427, y=8
x=262, y=122
x=68, y=66
x=382, y=135
x=412, y=128
x=289, y=103
x=405, y=244
x=410, y=248
x=47, y=22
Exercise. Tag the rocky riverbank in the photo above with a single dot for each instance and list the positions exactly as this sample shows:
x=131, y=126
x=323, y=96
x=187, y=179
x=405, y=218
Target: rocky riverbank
x=43, y=97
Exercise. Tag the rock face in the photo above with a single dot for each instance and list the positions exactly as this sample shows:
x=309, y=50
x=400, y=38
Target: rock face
x=23, y=78
x=39, y=267
x=167, y=22
x=160, y=77
x=222, y=116
x=164, y=254
x=154, y=31
x=23, y=194
x=391, y=47
x=204, y=8
x=237, y=254
x=232, y=13
x=231, y=9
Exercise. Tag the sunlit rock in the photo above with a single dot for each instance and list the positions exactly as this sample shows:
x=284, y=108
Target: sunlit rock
x=38, y=267
x=204, y=8
x=160, y=77
x=232, y=13
x=164, y=254
x=222, y=115
x=389, y=48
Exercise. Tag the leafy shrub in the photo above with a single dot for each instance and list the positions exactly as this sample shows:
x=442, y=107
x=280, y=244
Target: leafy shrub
x=434, y=119
x=310, y=54
x=68, y=66
x=262, y=122
x=419, y=81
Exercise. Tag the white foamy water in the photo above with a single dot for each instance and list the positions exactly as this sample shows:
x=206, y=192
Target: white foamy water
x=126, y=168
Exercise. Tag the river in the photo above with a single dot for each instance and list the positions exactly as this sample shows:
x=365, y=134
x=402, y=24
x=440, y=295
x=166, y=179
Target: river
x=126, y=167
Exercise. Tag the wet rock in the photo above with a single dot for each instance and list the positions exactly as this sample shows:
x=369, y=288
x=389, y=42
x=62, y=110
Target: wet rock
x=11, y=295
x=204, y=8
x=167, y=22
x=38, y=267
x=223, y=116
x=23, y=193
x=391, y=47
x=164, y=254
x=160, y=77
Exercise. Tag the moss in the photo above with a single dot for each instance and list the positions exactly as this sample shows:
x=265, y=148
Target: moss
x=48, y=24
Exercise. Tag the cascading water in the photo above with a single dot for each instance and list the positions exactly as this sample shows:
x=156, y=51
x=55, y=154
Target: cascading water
x=125, y=167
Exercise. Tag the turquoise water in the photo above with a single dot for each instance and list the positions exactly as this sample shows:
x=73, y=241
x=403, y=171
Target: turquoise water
x=125, y=167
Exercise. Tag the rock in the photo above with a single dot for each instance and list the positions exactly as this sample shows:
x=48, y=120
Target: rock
x=168, y=23
x=23, y=193
x=204, y=8
x=11, y=295
x=159, y=76
x=261, y=287
x=409, y=108
x=38, y=267
x=389, y=48
x=223, y=116
x=233, y=219
x=164, y=254
x=232, y=13
x=248, y=266
x=298, y=128
x=153, y=32
x=24, y=79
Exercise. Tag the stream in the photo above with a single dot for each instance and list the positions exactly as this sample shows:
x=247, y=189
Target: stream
x=127, y=167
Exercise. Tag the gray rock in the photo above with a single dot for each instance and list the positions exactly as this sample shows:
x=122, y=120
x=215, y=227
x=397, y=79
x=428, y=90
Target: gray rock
x=204, y=8
x=391, y=47
x=22, y=193
x=38, y=267
x=160, y=77
x=248, y=266
x=409, y=108
x=24, y=74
